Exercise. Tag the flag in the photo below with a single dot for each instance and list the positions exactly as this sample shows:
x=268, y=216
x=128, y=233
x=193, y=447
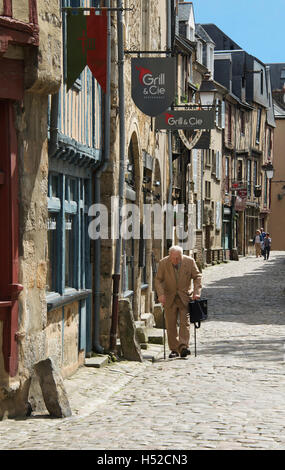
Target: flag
x=87, y=45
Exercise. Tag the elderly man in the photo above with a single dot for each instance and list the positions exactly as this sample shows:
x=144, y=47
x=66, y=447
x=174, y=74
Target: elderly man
x=173, y=287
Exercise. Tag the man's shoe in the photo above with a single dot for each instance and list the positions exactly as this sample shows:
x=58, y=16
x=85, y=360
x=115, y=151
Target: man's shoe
x=185, y=352
x=173, y=354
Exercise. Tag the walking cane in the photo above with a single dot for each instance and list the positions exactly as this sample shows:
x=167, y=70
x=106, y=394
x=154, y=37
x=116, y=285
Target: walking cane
x=163, y=333
x=195, y=339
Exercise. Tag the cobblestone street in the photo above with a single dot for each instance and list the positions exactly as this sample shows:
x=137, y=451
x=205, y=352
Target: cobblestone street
x=231, y=396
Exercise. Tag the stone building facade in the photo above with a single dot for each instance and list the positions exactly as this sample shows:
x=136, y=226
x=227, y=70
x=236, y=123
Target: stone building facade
x=30, y=71
x=277, y=191
x=146, y=169
x=248, y=139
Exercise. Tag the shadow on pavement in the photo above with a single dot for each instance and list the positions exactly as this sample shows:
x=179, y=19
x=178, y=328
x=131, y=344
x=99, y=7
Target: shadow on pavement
x=267, y=350
x=256, y=298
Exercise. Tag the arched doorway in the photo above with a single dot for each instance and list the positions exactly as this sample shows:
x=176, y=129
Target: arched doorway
x=130, y=245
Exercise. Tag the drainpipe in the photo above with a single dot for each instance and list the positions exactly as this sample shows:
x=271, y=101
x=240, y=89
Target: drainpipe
x=202, y=207
x=53, y=140
x=169, y=46
x=117, y=268
x=97, y=191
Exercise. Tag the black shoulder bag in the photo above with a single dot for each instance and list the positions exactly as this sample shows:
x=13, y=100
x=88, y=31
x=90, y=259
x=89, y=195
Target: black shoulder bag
x=198, y=310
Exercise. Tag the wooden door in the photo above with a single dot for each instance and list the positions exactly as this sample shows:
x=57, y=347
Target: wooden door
x=9, y=226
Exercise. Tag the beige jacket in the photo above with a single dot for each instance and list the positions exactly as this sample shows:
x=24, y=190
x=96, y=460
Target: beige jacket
x=166, y=284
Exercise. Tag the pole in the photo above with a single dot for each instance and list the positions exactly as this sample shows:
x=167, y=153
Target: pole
x=117, y=268
x=169, y=46
x=195, y=339
x=164, y=355
x=97, y=196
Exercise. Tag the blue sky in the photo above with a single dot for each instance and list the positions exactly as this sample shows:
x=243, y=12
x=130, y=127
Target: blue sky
x=256, y=25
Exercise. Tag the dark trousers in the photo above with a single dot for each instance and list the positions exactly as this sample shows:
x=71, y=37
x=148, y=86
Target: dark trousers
x=266, y=252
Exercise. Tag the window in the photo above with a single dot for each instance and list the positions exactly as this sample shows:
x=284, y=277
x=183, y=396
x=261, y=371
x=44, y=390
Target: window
x=261, y=82
x=248, y=178
x=242, y=122
x=218, y=164
x=282, y=78
x=68, y=242
x=214, y=162
x=208, y=157
x=54, y=206
x=219, y=113
x=269, y=144
x=70, y=232
x=265, y=189
x=227, y=175
x=255, y=173
x=210, y=59
x=258, y=125
x=239, y=170
x=199, y=52
x=208, y=189
x=229, y=133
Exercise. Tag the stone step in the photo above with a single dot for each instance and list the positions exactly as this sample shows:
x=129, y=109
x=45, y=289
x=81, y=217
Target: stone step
x=155, y=335
x=142, y=334
x=148, y=319
x=98, y=361
x=153, y=352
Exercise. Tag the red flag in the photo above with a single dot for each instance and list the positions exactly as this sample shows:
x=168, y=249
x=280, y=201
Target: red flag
x=97, y=51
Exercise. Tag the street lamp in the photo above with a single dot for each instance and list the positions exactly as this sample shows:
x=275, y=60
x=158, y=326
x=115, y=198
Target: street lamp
x=207, y=91
x=268, y=168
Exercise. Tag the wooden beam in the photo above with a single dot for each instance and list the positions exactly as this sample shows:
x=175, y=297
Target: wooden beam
x=7, y=8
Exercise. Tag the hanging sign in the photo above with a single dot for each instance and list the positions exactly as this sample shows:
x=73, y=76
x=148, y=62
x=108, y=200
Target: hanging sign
x=187, y=120
x=190, y=143
x=204, y=141
x=86, y=45
x=153, y=84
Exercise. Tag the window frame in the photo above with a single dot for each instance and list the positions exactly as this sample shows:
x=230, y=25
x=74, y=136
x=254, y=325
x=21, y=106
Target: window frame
x=249, y=177
x=258, y=126
x=76, y=207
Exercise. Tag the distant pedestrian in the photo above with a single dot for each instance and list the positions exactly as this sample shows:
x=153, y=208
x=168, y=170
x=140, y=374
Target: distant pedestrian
x=263, y=235
x=267, y=246
x=257, y=243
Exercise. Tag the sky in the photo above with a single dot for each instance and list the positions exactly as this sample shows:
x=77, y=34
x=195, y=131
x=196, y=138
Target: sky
x=255, y=25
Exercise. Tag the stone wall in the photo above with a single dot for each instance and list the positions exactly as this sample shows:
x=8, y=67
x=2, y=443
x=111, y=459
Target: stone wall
x=43, y=66
x=138, y=130
x=42, y=76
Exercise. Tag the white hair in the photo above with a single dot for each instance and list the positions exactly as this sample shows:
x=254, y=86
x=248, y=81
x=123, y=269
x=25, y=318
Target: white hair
x=175, y=248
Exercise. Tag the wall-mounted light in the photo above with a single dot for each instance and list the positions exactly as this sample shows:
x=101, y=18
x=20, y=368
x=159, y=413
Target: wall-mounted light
x=207, y=91
x=268, y=168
